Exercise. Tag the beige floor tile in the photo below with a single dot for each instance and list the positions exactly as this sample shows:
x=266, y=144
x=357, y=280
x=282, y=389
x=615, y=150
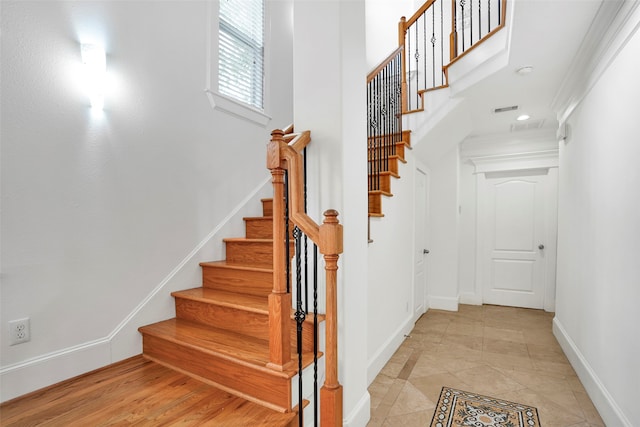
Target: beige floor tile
x=465, y=328
x=427, y=365
x=410, y=400
x=507, y=361
x=590, y=412
x=509, y=348
x=415, y=419
x=503, y=352
x=487, y=380
x=378, y=389
x=431, y=385
x=503, y=334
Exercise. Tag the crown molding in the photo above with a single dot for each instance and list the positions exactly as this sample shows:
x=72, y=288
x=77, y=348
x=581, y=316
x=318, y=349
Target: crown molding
x=614, y=24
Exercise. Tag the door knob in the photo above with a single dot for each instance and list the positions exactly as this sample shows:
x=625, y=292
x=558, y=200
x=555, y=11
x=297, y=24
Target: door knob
x=425, y=251
x=541, y=246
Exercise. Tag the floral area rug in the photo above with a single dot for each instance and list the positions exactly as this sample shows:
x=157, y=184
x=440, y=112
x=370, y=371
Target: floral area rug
x=461, y=408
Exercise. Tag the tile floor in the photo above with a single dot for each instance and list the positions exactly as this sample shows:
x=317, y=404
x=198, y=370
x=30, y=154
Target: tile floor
x=503, y=352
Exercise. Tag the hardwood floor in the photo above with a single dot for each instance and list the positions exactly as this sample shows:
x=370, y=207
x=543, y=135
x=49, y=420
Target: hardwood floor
x=136, y=392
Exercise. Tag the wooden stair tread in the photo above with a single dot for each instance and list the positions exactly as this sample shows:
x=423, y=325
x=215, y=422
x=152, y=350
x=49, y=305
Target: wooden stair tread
x=246, y=302
x=233, y=266
x=246, y=240
x=258, y=218
x=242, y=349
x=384, y=193
x=391, y=173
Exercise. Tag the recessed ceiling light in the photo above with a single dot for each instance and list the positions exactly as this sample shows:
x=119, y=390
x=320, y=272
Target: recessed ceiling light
x=527, y=69
x=523, y=117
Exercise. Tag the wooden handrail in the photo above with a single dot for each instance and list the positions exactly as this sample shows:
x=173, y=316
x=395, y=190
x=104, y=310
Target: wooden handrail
x=284, y=153
x=383, y=64
x=404, y=26
x=419, y=13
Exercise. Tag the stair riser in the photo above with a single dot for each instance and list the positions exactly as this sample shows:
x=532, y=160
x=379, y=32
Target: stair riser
x=257, y=254
x=231, y=280
x=237, y=320
x=390, y=166
x=258, y=228
x=267, y=207
x=375, y=203
x=256, y=385
x=261, y=228
x=384, y=184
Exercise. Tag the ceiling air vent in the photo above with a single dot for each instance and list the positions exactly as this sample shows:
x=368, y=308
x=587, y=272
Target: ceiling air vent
x=505, y=109
x=535, y=124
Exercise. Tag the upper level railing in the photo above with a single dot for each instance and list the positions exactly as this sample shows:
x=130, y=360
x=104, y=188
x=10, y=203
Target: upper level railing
x=286, y=162
x=437, y=35
x=384, y=115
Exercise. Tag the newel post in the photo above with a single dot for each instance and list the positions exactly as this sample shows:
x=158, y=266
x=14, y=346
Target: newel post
x=331, y=392
x=402, y=32
x=279, y=299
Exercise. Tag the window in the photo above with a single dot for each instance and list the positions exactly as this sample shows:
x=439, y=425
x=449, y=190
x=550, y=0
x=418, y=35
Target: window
x=241, y=51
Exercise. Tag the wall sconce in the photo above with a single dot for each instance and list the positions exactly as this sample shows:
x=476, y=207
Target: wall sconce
x=94, y=63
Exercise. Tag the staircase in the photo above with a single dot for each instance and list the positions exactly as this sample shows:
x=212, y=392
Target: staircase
x=220, y=334
x=383, y=168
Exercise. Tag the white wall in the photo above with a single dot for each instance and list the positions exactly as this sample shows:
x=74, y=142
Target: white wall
x=442, y=273
x=382, y=18
x=329, y=99
x=391, y=270
x=99, y=212
x=598, y=278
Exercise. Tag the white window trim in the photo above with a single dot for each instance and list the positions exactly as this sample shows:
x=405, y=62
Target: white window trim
x=225, y=103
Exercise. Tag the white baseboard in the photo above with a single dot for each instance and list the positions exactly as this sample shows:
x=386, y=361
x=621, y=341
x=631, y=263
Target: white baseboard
x=34, y=374
x=360, y=414
x=444, y=303
x=608, y=409
x=470, y=298
x=382, y=356
x=124, y=341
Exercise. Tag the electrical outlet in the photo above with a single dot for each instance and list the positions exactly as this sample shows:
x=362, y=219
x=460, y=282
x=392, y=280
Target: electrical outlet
x=19, y=331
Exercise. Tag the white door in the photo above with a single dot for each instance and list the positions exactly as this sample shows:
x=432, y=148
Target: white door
x=420, y=245
x=515, y=234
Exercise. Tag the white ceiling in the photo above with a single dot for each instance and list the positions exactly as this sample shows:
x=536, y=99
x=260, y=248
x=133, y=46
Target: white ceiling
x=546, y=34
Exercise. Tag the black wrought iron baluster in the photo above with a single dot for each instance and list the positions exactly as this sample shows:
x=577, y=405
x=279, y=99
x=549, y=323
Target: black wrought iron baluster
x=479, y=19
x=424, y=48
x=407, y=36
x=462, y=3
x=299, y=316
x=306, y=238
x=499, y=12
x=417, y=55
x=488, y=15
x=286, y=229
x=471, y=23
x=441, y=42
x=379, y=151
x=315, y=334
x=433, y=45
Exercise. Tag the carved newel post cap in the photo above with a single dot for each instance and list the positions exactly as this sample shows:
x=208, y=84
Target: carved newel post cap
x=277, y=134
x=331, y=216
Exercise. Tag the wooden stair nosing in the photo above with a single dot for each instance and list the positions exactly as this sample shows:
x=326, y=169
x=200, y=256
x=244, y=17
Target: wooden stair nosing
x=244, y=314
x=235, y=277
x=243, y=301
x=264, y=390
x=222, y=343
x=231, y=266
x=220, y=361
